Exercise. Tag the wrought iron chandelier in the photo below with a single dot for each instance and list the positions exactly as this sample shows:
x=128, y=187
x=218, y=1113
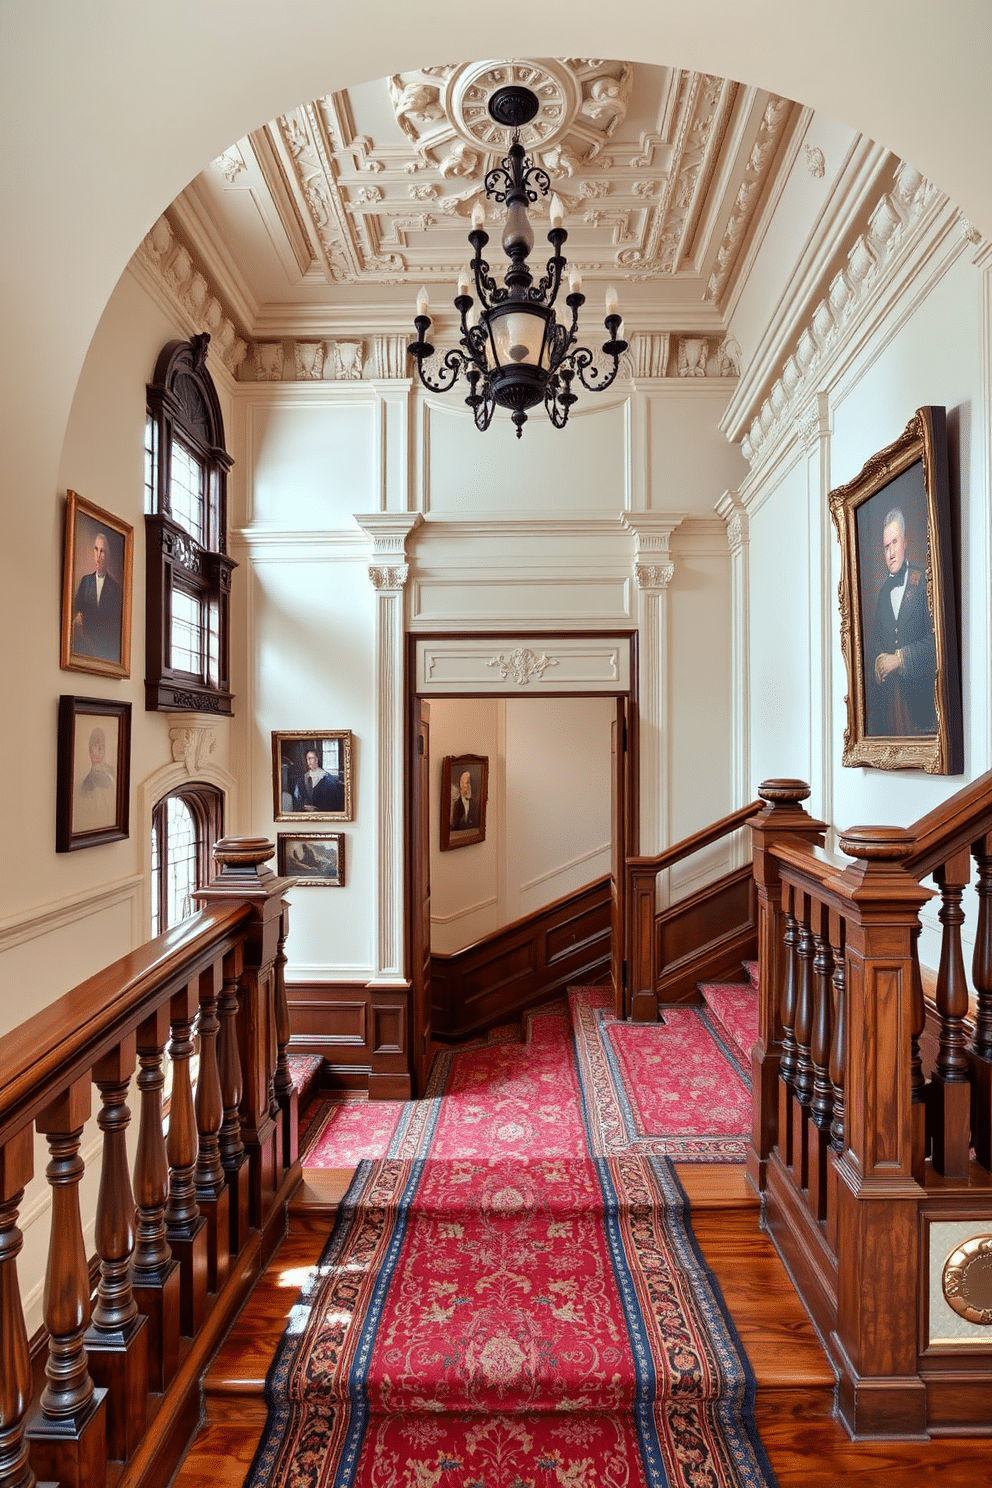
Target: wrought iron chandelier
x=514, y=351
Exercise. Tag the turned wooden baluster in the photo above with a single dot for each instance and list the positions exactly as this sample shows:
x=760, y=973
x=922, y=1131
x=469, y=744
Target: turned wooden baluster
x=155, y=1272
x=283, y=1080
x=16, y=1169
x=787, y=1065
x=115, y=1306
x=788, y=1062
x=981, y=976
x=210, y=1180
x=918, y=1079
x=209, y=1175
x=950, y=1090
x=234, y=1158
x=803, y=1032
x=803, y=1027
x=183, y=1222
x=117, y=1341
x=69, y=1388
x=822, y=1098
x=838, y=1044
x=67, y=1431
x=821, y=1094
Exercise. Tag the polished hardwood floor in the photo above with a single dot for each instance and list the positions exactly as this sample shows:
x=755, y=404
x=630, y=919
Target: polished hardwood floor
x=806, y=1446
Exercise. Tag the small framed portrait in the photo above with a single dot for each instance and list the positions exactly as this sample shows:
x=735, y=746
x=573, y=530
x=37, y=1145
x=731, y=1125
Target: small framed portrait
x=96, y=591
x=898, y=608
x=94, y=772
x=464, y=793
x=314, y=859
x=312, y=775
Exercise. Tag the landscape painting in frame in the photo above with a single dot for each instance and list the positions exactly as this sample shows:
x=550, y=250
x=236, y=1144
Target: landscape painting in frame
x=898, y=607
x=464, y=794
x=94, y=768
x=96, y=590
x=314, y=859
x=312, y=774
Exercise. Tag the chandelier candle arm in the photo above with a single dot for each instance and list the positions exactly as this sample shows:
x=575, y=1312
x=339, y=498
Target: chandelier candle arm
x=515, y=353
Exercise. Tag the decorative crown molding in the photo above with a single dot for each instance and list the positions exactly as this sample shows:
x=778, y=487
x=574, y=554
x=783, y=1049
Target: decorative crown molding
x=166, y=258
x=870, y=256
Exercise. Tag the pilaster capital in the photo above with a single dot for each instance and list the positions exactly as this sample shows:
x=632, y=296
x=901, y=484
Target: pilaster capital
x=389, y=533
x=733, y=511
x=389, y=576
x=654, y=575
x=652, y=532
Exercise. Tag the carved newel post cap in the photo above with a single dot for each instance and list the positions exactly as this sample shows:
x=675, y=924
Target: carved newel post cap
x=241, y=864
x=789, y=792
x=876, y=844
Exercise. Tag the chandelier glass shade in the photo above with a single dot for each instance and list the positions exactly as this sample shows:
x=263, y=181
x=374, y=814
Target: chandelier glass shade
x=514, y=351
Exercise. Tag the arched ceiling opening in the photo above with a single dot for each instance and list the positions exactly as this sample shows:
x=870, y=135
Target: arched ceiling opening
x=111, y=110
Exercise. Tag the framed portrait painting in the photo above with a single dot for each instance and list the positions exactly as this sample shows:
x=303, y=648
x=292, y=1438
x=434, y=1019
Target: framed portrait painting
x=312, y=775
x=314, y=859
x=96, y=590
x=898, y=607
x=464, y=794
x=94, y=771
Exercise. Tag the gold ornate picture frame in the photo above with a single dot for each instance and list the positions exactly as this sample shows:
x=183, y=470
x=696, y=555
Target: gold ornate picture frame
x=898, y=607
x=96, y=590
x=312, y=775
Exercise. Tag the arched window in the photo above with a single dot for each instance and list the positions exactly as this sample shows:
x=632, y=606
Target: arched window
x=185, y=825
x=188, y=571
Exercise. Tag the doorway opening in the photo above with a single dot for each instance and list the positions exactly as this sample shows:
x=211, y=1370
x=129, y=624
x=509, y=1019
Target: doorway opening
x=558, y=819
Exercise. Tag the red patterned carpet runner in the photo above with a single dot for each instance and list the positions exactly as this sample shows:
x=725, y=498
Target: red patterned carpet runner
x=492, y=1323
x=581, y=1085
x=677, y=1088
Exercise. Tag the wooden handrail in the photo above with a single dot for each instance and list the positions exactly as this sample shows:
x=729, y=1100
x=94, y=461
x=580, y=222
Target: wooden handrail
x=697, y=840
x=66, y=1038
x=177, y=1248
x=952, y=825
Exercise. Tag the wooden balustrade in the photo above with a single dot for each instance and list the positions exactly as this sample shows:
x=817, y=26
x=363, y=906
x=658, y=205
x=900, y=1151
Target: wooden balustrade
x=717, y=923
x=857, y=1145
x=177, y=1251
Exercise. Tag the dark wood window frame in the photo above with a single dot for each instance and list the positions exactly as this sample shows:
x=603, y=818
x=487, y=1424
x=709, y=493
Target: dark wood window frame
x=183, y=408
x=205, y=804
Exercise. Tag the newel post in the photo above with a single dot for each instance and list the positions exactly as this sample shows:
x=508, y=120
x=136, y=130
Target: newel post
x=243, y=877
x=879, y=1390
x=783, y=819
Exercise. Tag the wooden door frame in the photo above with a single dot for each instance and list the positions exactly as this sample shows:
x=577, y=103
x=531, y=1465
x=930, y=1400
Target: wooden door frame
x=630, y=758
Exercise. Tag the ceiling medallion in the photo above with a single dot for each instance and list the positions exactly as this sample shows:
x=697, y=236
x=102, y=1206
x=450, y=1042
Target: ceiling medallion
x=514, y=351
x=967, y=1280
x=445, y=111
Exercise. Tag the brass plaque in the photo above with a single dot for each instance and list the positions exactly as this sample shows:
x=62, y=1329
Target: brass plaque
x=967, y=1280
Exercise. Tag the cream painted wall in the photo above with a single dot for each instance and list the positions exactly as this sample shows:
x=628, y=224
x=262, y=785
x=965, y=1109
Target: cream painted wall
x=548, y=821
x=932, y=345
x=93, y=900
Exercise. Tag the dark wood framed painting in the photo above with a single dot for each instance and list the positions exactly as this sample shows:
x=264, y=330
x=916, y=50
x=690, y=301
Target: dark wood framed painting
x=898, y=606
x=96, y=590
x=464, y=795
x=94, y=772
x=312, y=775
x=314, y=859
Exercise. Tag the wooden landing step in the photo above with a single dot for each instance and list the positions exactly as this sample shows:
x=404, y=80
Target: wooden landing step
x=794, y=1405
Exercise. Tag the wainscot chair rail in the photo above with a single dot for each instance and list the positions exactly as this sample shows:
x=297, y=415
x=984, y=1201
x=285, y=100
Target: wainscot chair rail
x=109, y=1390
x=872, y=1136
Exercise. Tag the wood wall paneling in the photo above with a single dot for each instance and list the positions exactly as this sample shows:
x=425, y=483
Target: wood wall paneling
x=528, y=962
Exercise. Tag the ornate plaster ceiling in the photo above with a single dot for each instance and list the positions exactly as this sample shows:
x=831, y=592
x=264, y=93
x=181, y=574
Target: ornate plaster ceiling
x=329, y=218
